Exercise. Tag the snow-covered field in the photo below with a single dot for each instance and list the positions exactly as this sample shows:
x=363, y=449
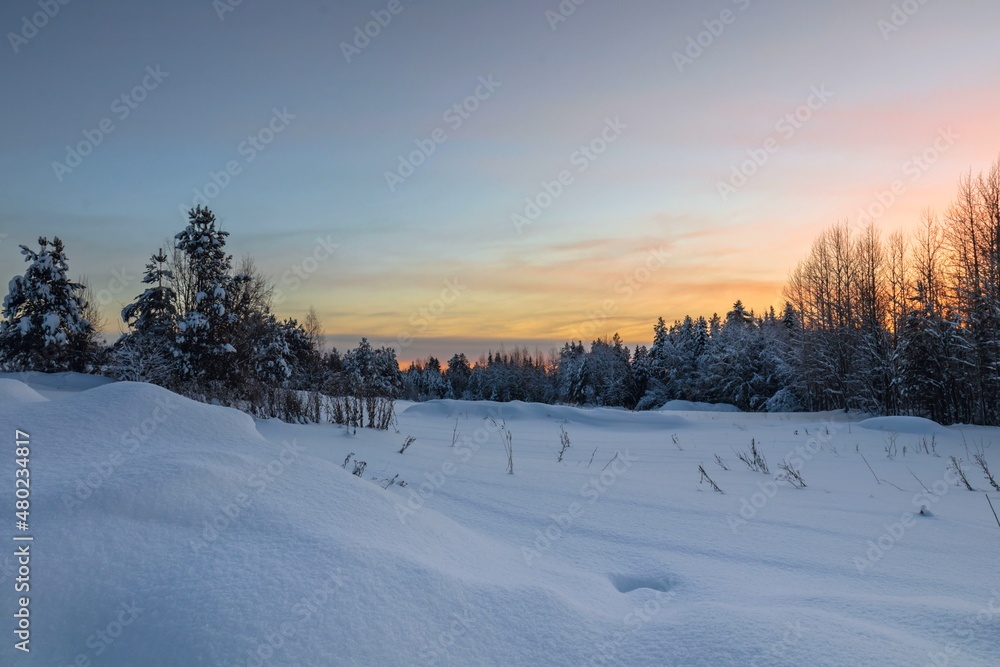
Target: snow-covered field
x=167, y=532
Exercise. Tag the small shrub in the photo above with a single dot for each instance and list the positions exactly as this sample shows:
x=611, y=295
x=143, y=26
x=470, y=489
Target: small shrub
x=981, y=462
x=791, y=475
x=563, y=443
x=706, y=478
x=956, y=466
x=507, y=438
x=754, y=459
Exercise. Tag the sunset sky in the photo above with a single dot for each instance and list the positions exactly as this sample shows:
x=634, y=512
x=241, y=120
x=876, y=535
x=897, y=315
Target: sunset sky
x=638, y=231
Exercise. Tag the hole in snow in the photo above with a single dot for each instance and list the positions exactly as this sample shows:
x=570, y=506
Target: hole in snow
x=626, y=583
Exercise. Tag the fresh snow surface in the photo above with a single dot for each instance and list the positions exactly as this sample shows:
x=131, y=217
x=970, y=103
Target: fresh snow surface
x=12, y=391
x=695, y=406
x=910, y=425
x=220, y=540
x=57, y=384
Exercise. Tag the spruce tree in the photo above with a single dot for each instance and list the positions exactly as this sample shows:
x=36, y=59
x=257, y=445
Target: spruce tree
x=145, y=354
x=154, y=312
x=202, y=344
x=458, y=374
x=43, y=327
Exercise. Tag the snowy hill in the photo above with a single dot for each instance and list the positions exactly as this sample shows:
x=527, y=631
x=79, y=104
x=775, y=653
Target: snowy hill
x=168, y=532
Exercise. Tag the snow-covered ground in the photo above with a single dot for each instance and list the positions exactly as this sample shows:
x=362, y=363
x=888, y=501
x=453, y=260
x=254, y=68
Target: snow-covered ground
x=168, y=532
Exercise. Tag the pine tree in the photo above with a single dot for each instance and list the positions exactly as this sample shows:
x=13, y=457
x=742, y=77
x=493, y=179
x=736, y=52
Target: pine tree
x=457, y=375
x=271, y=352
x=154, y=312
x=653, y=369
x=572, y=380
x=203, y=341
x=607, y=374
x=306, y=344
x=43, y=327
x=640, y=375
x=936, y=363
x=424, y=381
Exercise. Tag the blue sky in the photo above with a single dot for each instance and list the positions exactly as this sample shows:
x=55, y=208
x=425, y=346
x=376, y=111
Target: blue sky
x=575, y=271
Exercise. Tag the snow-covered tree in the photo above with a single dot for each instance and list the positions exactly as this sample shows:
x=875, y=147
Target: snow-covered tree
x=608, y=375
x=572, y=381
x=203, y=339
x=936, y=365
x=367, y=385
x=142, y=358
x=457, y=375
x=43, y=326
x=154, y=312
x=145, y=354
x=424, y=381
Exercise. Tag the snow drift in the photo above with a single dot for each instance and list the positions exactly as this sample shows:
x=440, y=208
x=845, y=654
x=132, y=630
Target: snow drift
x=168, y=532
x=694, y=406
x=910, y=425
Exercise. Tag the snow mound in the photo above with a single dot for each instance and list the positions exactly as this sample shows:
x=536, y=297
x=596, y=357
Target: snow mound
x=170, y=532
x=909, y=425
x=695, y=406
x=54, y=385
x=15, y=391
x=198, y=542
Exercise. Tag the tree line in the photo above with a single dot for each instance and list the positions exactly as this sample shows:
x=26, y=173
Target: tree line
x=897, y=325
x=204, y=327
